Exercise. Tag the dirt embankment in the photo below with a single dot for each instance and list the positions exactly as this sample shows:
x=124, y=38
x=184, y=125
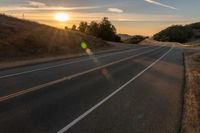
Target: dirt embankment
x=26, y=40
x=191, y=114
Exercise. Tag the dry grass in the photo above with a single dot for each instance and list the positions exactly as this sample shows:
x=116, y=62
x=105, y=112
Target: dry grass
x=191, y=116
x=20, y=39
x=150, y=41
x=193, y=43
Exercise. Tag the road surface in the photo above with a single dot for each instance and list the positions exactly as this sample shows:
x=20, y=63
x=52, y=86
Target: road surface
x=138, y=90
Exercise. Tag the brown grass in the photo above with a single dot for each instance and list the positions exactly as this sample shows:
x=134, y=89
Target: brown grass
x=21, y=39
x=191, y=116
x=150, y=41
x=194, y=43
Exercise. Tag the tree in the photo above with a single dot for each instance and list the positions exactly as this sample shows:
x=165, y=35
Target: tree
x=107, y=31
x=104, y=30
x=66, y=28
x=73, y=27
x=83, y=26
x=93, y=29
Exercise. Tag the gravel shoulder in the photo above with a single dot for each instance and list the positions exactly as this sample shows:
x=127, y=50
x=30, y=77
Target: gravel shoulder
x=191, y=113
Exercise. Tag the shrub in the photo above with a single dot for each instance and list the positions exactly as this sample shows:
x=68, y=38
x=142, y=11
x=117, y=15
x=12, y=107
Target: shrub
x=195, y=26
x=135, y=39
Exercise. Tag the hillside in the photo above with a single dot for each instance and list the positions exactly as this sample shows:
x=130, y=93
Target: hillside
x=25, y=39
x=135, y=39
x=179, y=33
x=124, y=36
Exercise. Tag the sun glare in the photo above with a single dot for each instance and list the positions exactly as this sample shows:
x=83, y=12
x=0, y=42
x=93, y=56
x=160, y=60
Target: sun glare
x=61, y=17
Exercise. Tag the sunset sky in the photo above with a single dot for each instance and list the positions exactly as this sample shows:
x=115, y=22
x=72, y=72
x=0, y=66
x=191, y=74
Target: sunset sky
x=144, y=17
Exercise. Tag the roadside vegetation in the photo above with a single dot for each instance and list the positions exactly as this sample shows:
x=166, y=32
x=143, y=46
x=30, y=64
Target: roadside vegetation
x=135, y=39
x=179, y=33
x=22, y=39
x=191, y=114
x=104, y=29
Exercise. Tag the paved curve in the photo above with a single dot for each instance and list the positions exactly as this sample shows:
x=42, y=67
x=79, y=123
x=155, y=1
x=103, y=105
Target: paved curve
x=132, y=91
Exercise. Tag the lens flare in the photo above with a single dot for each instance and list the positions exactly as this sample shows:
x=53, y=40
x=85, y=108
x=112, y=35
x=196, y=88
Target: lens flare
x=89, y=52
x=83, y=45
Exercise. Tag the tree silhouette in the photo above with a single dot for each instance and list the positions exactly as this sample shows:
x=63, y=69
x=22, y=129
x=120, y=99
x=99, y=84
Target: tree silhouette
x=73, y=27
x=93, y=29
x=104, y=30
x=82, y=26
x=66, y=28
x=107, y=31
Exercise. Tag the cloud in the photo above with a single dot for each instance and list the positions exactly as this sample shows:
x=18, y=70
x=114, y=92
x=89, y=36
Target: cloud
x=36, y=4
x=46, y=8
x=160, y=4
x=117, y=10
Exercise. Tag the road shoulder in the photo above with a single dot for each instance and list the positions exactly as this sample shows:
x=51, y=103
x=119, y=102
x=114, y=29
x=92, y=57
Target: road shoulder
x=191, y=115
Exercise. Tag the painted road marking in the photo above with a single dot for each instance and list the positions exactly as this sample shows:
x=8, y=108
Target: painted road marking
x=111, y=95
x=64, y=64
x=25, y=91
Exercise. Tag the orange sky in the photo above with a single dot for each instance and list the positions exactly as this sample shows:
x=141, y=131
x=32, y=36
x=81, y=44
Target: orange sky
x=145, y=17
x=139, y=27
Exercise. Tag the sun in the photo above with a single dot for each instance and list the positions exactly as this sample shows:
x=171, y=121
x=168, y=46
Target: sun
x=61, y=17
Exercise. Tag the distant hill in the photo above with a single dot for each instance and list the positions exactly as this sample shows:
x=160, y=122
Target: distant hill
x=179, y=33
x=124, y=36
x=26, y=39
x=135, y=39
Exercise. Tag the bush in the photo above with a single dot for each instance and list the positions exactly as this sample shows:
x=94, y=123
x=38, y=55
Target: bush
x=196, y=26
x=135, y=39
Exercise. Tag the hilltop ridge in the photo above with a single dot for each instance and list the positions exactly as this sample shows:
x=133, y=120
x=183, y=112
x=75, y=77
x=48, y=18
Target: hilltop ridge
x=179, y=33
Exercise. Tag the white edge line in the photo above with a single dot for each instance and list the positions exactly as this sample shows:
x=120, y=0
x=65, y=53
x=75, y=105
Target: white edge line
x=24, y=91
x=64, y=64
x=108, y=97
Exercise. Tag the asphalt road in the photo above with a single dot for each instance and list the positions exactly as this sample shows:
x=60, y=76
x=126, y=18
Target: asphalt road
x=138, y=90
